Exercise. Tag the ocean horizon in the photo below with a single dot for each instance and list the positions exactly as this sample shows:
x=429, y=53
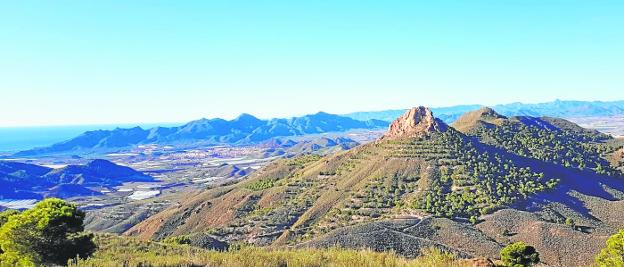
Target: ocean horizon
x=14, y=139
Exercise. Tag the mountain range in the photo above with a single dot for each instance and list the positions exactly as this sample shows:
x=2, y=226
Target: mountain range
x=558, y=108
x=468, y=188
x=247, y=129
x=30, y=181
x=242, y=130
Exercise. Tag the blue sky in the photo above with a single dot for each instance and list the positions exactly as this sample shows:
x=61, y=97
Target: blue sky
x=93, y=62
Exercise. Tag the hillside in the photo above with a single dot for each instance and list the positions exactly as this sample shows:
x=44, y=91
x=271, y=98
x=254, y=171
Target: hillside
x=309, y=196
x=547, y=139
x=244, y=129
x=423, y=184
x=29, y=181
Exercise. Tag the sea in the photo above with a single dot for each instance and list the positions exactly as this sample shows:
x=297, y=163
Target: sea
x=14, y=139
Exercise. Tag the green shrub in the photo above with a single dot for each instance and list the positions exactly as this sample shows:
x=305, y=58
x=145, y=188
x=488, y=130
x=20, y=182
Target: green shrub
x=613, y=254
x=260, y=185
x=519, y=255
x=4, y=216
x=178, y=240
x=570, y=222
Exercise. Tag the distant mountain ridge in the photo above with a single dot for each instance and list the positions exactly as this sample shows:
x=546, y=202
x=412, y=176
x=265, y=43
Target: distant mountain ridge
x=557, y=108
x=243, y=129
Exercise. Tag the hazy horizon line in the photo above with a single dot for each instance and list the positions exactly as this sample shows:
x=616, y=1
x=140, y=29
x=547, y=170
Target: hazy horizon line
x=147, y=124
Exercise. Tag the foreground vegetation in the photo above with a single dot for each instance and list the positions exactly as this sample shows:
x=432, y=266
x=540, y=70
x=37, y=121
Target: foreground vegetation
x=124, y=251
x=48, y=234
x=613, y=254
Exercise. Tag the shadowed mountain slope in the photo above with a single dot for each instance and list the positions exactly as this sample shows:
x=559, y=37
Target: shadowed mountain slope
x=320, y=146
x=547, y=139
x=29, y=181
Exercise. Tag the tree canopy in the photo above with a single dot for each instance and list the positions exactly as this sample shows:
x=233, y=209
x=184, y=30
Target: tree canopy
x=49, y=233
x=613, y=254
x=519, y=254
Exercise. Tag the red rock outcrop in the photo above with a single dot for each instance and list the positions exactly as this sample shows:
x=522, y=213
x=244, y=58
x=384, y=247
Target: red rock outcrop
x=416, y=122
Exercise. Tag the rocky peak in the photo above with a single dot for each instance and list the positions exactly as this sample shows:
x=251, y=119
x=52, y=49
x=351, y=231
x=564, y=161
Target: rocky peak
x=470, y=120
x=245, y=117
x=488, y=113
x=415, y=122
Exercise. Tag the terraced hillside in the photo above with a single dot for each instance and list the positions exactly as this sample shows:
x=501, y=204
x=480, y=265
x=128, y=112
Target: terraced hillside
x=424, y=184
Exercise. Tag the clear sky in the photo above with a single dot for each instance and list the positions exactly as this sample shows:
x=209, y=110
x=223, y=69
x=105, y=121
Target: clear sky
x=118, y=61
